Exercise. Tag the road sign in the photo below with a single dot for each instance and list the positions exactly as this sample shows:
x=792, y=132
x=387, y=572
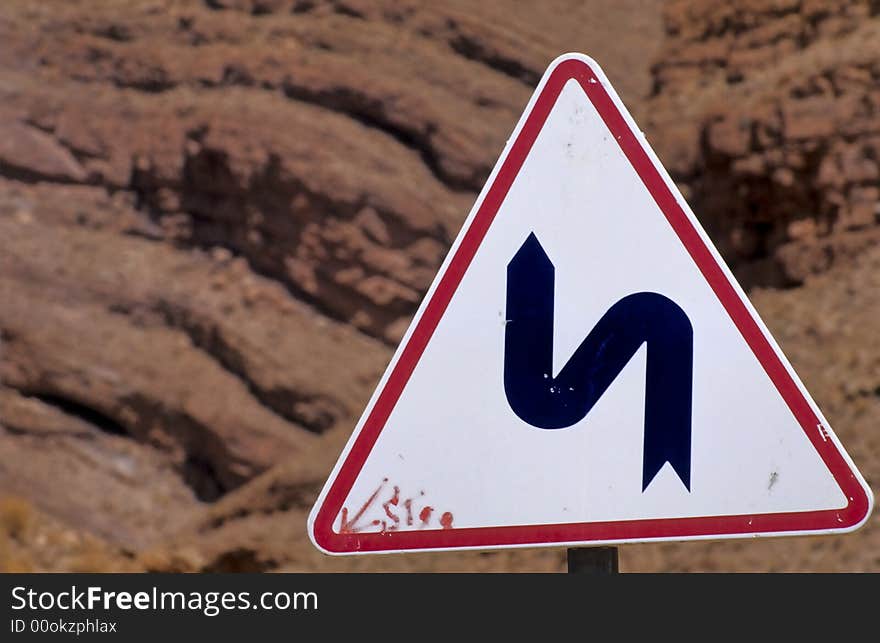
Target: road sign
x=584, y=369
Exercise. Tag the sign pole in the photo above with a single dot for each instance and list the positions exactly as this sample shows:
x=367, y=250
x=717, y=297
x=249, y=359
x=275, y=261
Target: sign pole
x=592, y=560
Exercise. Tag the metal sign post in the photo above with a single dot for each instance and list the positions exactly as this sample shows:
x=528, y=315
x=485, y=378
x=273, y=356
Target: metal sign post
x=592, y=560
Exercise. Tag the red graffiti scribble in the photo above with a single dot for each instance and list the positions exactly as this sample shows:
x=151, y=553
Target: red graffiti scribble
x=354, y=525
x=386, y=506
x=350, y=527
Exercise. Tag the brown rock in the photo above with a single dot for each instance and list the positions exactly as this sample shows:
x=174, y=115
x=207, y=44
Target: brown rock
x=28, y=153
x=782, y=129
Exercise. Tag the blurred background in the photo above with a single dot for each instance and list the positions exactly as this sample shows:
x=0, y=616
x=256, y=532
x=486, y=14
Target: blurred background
x=218, y=216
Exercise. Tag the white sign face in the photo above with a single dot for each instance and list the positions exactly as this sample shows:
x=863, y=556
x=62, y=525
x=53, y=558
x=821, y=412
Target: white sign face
x=584, y=369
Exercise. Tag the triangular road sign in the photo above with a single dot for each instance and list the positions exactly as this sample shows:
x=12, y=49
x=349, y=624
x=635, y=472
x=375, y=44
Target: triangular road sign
x=584, y=369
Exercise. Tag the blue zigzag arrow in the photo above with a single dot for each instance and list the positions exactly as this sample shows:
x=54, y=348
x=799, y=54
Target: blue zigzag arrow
x=548, y=402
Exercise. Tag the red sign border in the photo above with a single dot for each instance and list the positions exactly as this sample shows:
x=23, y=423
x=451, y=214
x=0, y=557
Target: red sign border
x=578, y=69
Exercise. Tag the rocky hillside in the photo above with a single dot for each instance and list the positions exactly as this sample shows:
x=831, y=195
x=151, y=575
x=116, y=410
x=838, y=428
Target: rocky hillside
x=218, y=217
x=769, y=113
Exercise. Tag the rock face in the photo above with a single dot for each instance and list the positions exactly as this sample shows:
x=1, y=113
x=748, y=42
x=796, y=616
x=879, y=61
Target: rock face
x=335, y=147
x=769, y=113
x=219, y=216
